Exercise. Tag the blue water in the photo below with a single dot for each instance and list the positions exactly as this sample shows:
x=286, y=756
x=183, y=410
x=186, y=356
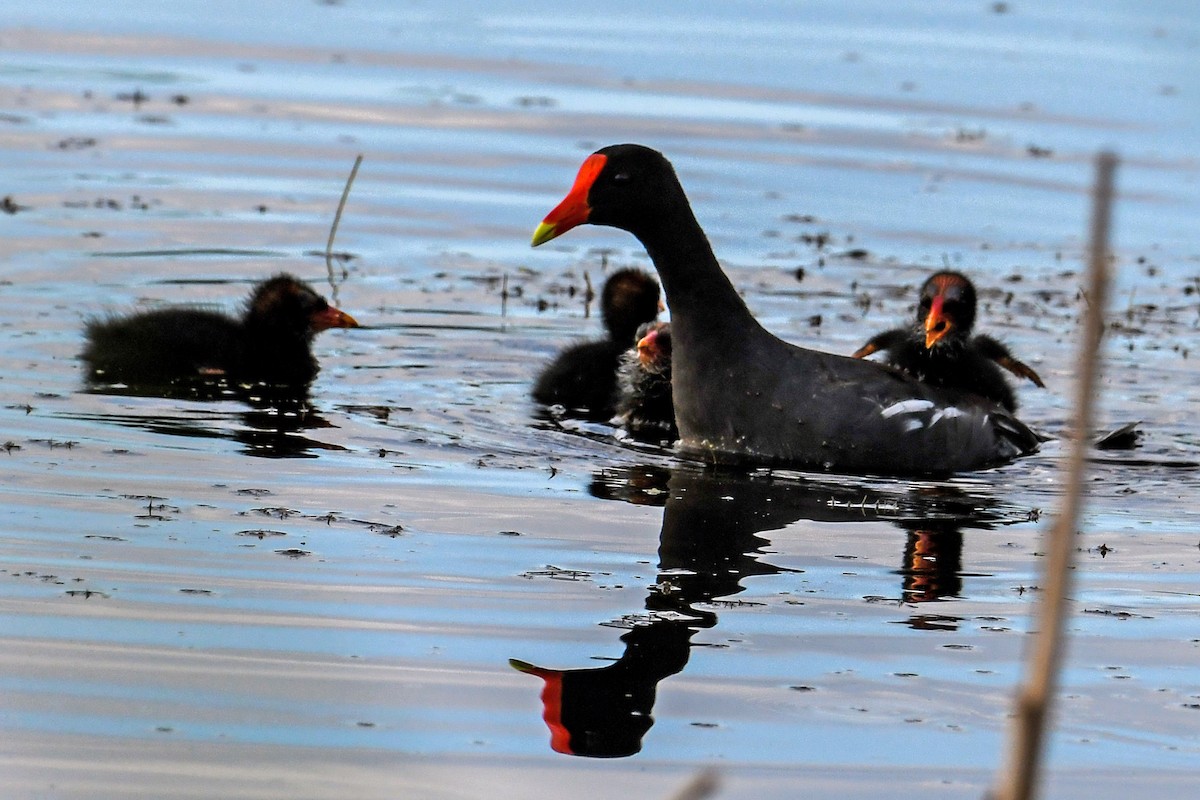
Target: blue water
x=438, y=526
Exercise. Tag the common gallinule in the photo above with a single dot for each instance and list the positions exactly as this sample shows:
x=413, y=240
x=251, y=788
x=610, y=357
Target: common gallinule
x=583, y=377
x=269, y=344
x=741, y=393
x=644, y=404
x=939, y=349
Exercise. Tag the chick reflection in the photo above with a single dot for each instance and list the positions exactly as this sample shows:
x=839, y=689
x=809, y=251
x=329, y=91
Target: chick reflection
x=932, y=570
x=276, y=431
x=709, y=543
x=272, y=427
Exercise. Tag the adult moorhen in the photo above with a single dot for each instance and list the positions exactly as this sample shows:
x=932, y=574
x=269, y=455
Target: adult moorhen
x=644, y=403
x=583, y=377
x=269, y=344
x=741, y=393
x=939, y=349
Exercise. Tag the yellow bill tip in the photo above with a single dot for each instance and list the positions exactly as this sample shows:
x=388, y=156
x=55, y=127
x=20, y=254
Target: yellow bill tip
x=544, y=233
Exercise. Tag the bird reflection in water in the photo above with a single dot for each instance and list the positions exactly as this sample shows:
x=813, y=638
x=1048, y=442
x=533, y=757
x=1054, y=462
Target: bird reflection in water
x=272, y=426
x=932, y=570
x=708, y=545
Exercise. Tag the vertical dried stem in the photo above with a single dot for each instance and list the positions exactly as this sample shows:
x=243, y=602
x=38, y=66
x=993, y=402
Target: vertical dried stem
x=337, y=220
x=1019, y=781
x=701, y=785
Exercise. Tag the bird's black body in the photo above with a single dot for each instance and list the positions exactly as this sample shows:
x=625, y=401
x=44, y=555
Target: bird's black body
x=268, y=344
x=583, y=377
x=743, y=394
x=645, y=404
x=940, y=350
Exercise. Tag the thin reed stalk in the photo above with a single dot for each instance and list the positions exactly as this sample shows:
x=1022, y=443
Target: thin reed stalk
x=337, y=220
x=1020, y=778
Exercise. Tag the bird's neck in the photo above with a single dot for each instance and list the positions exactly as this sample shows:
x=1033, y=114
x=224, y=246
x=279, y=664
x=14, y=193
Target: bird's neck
x=697, y=291
x=276, y=332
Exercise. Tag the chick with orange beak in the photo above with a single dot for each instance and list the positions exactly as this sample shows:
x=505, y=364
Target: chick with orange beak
x=939, y=348
x=645, y=403
x=167, y=349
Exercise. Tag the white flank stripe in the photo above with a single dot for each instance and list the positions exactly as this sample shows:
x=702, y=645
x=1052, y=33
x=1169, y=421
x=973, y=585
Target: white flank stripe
x=907, y=407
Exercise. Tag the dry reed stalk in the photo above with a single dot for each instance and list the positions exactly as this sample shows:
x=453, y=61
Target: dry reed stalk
x=699, y=786
x=1020, y=778
x=337, y=220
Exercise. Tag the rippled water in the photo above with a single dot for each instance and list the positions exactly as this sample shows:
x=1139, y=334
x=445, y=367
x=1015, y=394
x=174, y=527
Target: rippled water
x=204, y=599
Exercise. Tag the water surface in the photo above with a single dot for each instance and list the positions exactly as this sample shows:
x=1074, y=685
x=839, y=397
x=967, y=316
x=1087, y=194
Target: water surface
x=228, y=599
